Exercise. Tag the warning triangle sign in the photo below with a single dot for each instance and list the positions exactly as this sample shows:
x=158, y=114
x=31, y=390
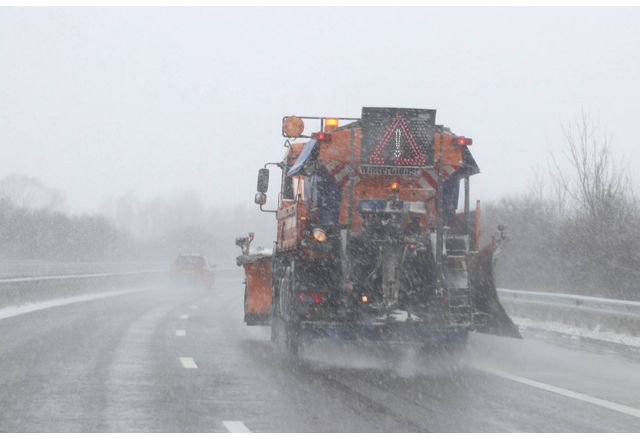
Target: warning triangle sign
x=397, y=147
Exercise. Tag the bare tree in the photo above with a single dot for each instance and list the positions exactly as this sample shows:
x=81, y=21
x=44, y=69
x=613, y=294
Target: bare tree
x=592, y=181
x=578, y=229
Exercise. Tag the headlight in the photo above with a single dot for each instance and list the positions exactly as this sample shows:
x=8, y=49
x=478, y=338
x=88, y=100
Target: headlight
x=319, y=235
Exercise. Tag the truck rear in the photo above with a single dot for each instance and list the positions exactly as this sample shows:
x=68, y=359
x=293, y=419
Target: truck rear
x=370, y=242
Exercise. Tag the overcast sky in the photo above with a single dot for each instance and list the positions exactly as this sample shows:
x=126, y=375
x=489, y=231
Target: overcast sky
x=99, y=102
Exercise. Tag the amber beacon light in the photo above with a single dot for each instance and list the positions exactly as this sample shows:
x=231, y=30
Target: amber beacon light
x=292, y=126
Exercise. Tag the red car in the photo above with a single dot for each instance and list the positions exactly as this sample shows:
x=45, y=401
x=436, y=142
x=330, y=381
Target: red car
x=192, y=268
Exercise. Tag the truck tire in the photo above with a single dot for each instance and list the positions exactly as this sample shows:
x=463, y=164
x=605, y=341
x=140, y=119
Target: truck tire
x=293, y=337
x=276, y=326
x=274, y=329
x=277, y=323
x=292, y=328
x=246, y=296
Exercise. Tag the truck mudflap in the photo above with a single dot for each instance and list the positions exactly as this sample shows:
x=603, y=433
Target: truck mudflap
x=485, y=296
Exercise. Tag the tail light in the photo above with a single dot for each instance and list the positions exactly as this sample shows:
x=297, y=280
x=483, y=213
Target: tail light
x=462, y=141
x=321, y=136
x=312, y=298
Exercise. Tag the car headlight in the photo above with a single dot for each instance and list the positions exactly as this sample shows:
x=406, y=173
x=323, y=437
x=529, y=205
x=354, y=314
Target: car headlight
x=319, y=234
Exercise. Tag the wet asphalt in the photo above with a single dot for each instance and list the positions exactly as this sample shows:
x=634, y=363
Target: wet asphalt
x=177, y=358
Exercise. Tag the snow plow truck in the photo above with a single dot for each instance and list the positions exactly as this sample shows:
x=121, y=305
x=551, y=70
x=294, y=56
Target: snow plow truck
x=371, y=244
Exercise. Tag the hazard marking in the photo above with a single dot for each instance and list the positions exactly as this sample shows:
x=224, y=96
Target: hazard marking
x=339, y=170
x=398, y=139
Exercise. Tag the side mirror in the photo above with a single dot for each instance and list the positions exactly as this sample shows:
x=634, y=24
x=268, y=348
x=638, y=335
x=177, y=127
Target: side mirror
x=263, y=181
x=261, y=198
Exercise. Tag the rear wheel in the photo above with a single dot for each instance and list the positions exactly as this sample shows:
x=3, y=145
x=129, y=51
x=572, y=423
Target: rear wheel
x=293, y=326
x=275, y=328
x=246, y=296
x=294, y=337
x=277, y=323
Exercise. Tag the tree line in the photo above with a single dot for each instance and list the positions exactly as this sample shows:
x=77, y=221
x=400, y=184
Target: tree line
x=578, y=227
x=36, y=225
x=51, y=235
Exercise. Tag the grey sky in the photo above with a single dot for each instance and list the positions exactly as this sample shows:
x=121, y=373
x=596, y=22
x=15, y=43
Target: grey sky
x=102, y=101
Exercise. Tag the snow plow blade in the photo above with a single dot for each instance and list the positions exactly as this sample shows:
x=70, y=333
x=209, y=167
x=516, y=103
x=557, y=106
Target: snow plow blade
x=257, y=290
x=257, y=294
x=485, y=296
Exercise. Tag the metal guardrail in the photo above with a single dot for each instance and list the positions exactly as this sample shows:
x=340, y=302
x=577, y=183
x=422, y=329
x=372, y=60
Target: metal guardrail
x=6, y=282
x=75, y=276
x=20, y=290
x=36, y=268
x=601, y=305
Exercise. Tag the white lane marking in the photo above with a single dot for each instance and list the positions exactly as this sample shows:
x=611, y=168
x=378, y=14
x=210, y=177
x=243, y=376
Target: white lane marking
x=13, y=311
x=564, y=392
x=180, y=332
x=194, y=306
x=236, y=427
x=188, y=363
x=184, y=316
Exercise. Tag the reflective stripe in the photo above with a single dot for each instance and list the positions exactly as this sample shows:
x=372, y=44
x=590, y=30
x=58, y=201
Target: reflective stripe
x=424, y=183
x=331, y=166
x=341, y=175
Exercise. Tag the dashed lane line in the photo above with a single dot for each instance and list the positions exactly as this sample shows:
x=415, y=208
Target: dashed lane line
x=194, y=306
x=180, y=332
x=564, y=392
x=236, y=427
x=184, y=316
x=188, y=363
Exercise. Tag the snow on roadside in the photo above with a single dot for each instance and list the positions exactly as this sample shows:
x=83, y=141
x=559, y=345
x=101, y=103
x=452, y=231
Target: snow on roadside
x=25, y=308
x=574, y=331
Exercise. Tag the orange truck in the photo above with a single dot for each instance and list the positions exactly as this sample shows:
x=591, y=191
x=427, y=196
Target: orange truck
x=370, y=241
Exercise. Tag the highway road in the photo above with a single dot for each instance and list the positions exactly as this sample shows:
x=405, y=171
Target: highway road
x=179, y=359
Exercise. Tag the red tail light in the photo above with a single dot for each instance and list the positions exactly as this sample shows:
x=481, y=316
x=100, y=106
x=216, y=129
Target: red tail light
x=462, y=141
x=321, y=136
x=312, y=298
